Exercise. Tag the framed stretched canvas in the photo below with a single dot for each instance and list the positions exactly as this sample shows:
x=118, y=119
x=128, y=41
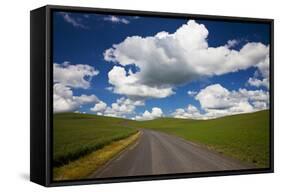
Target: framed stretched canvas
x=119, y=95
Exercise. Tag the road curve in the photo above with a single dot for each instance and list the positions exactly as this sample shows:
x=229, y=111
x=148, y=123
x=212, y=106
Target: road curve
x=158, y=153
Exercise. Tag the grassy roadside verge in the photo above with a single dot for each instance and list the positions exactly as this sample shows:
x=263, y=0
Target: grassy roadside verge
x=86, y=165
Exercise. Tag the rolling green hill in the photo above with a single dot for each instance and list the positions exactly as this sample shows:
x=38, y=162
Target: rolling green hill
x=76, y=134
x=244, y=136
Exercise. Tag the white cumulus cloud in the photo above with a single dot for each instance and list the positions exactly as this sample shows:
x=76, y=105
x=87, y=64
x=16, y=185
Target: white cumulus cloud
x=74, y=75
x=215, y=97
x=67, y=77
x=121, y=108
x=191, y=112
x=64, y=101
x=156, y=112
x=128, y=84
x=258, y=82
x=99, y=107
x=261, y=76
x=167, y=60
x=218, y=101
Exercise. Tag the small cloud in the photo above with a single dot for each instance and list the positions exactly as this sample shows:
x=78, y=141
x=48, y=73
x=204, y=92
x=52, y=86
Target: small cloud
x=109, y=88
x=72, y=20
x=115, y=19
x=65, y=101
x=255, y=82
x=156, y=112
x=99, y=107
x=74, y=75
x=121, y=108
x=190, y=112
x=191, y=93
x=232, y=43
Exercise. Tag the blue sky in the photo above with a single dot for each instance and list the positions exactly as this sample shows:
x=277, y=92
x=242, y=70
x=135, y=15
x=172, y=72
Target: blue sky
x=228, y=74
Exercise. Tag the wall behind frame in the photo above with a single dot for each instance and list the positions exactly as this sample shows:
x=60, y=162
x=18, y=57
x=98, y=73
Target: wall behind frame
x=14, y=138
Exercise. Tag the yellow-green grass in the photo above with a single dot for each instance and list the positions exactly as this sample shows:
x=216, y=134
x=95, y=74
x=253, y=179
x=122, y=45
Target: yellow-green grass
x=87, y=165
x=76, y=135
x=244, y=136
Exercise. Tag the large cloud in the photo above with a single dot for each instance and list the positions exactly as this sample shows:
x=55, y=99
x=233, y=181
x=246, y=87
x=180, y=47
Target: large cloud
x=76, y=76
x=64, y=101
x=167, y=60
x=156, y=112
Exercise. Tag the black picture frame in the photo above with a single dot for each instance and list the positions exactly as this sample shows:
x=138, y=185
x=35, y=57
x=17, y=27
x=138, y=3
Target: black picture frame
x=41, y=93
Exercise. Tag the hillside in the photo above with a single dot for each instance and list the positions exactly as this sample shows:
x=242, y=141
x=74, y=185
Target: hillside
x=243, y=136
x=76, y=134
